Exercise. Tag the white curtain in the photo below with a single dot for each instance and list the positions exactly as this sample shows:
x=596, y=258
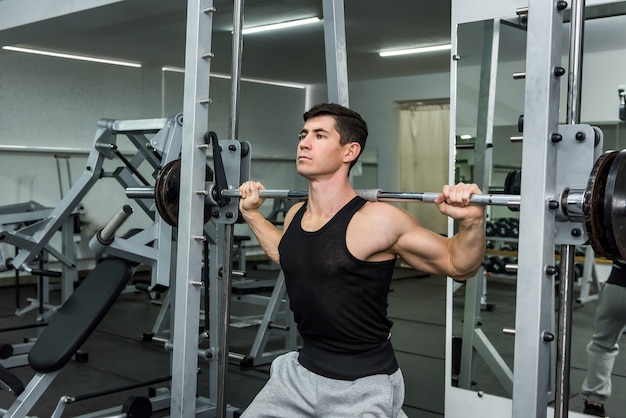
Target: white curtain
x=424, y=150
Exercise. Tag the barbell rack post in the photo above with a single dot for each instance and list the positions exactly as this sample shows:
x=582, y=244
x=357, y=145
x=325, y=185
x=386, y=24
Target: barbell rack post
x=566, y=265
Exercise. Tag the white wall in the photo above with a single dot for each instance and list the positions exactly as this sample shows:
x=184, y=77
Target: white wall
x=603, y=73
x=56, y=103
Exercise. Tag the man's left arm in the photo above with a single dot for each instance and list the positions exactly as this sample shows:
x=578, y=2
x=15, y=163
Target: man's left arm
x=467, y=246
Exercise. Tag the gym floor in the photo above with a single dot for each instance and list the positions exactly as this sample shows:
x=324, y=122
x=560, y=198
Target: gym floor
x=115, y=355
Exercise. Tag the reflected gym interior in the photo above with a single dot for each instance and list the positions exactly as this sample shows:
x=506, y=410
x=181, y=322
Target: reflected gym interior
x=131, y=288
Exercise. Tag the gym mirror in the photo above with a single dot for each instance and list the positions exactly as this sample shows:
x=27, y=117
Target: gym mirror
x=483, y=354
x=489, y=54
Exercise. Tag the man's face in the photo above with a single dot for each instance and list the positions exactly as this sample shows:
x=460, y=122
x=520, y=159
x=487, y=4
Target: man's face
x=319, y=152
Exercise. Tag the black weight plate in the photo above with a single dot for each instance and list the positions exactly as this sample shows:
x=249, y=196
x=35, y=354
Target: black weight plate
x=593, y=205
x=615, y=206
x=167, y=192
x=137, y=407
x=513, y=182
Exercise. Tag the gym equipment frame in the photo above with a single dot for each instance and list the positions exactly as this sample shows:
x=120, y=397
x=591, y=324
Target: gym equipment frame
x=163, y=147
x=152, y=246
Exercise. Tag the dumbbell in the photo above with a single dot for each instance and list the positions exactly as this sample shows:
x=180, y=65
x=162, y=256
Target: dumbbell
x=503, y=228
x=490, y=229
x=497, y=266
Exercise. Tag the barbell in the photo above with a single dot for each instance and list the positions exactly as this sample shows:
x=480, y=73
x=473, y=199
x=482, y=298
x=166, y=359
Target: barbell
x=377, y=195
x=601, y=206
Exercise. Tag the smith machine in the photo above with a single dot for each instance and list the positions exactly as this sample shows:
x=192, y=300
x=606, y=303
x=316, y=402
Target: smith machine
x=581, y=201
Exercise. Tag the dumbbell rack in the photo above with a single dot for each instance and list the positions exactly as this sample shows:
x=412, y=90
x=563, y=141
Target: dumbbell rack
x=586, y=275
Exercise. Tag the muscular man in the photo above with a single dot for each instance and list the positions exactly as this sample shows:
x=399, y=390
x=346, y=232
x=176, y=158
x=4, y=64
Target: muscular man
x=338, y=253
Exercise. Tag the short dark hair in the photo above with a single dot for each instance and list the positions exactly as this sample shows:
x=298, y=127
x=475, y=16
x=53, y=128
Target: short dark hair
x=350, y=125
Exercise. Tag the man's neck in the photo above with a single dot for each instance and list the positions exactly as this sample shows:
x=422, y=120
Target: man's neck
x=327, y=197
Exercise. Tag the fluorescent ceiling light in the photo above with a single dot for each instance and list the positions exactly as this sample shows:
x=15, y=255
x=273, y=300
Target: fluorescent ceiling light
x=419, y=50
x=466, y=137
x=281, y=25
x=73, y=57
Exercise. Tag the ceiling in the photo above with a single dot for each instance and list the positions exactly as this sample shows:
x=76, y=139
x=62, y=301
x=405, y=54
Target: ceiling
x=153, y=33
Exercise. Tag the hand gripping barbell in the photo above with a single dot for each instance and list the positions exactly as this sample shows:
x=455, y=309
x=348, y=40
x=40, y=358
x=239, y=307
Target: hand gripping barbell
x=602, y=205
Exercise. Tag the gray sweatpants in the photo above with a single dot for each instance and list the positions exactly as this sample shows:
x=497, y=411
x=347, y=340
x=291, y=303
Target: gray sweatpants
x=293, y=391
x=610, y=323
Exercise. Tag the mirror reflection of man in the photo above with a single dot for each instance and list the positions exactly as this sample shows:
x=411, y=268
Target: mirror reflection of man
x=603, y=348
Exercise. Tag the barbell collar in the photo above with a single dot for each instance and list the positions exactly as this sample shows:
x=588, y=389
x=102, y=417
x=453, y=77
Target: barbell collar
x=572, y=203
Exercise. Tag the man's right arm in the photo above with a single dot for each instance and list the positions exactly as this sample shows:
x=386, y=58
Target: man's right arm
x=266, y=233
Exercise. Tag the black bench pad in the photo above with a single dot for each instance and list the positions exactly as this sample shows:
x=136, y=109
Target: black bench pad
x=77, y=318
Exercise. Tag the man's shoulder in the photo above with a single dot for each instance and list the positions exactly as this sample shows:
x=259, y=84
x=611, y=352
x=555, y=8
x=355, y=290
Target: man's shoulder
x=384, y=212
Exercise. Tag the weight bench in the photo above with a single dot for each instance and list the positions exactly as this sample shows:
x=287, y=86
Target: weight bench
x=66, y=332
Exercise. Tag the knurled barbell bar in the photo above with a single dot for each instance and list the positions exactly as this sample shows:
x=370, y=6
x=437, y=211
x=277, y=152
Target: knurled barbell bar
x=377, y=195
x=602, y=205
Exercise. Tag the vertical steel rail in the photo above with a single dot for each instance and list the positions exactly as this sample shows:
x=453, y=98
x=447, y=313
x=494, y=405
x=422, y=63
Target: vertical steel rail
x=575, y=77
x=535, y=284
x=228, y=229
x=188, y=283
x=566, y=265
x=237, y=54
x=564, y=339
x=336, y=52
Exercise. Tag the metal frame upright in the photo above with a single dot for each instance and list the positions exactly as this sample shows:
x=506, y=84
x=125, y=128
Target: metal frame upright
x=191, y=236
x=192, y=233
x=535, y=284
x=336, y=52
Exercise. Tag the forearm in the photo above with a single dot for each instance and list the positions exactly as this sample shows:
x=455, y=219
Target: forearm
x=266, y=233
x=467, y=248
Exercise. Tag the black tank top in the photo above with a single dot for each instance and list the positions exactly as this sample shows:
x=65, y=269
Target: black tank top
x=339, y=302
